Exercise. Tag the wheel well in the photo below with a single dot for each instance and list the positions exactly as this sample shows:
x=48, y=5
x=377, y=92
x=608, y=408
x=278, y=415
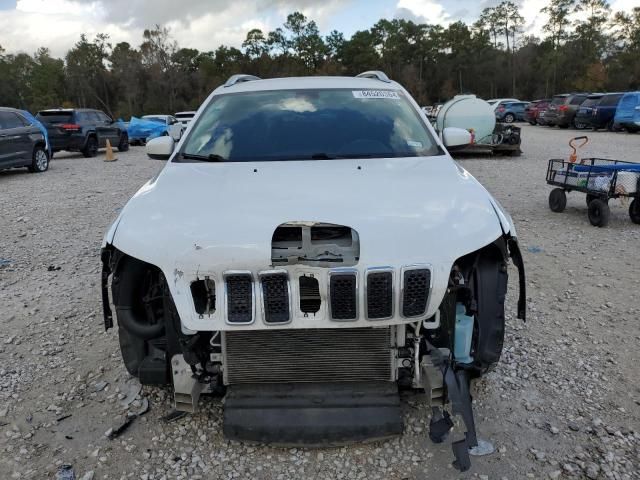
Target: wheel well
x=478, y=281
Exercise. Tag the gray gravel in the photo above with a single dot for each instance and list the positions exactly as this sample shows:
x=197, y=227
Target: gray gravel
x=563, y=403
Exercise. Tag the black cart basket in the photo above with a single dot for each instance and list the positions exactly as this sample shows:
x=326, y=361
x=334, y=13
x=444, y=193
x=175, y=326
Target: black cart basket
x=601, y=179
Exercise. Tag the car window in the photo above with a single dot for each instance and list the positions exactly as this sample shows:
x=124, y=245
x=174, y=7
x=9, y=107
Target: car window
x=558, y=100
x=577, y=100
x=310, y=125
x=589, y=102
x=103, y=117
x=610, y=100
x=85, y=117
x=55, y=117
x=10, y=120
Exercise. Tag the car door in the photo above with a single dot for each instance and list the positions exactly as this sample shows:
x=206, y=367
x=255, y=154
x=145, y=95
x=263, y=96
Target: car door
x=175, y=128
x=111, y=129
x=15, y=143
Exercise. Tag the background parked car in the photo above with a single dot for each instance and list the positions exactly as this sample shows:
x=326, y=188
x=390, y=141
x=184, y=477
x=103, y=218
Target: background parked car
x=82, y=130
x=628, y=112
x=185, y=117
x=603, y=113
x=563, y=108
x=532, y=111
x=174, y=127
x=585, y=111
x=496, y=102
x=22, y=144
x=510, y=112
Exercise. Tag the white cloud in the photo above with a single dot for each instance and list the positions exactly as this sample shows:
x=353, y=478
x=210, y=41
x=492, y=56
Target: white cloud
x=201, y=24
x=430, y=11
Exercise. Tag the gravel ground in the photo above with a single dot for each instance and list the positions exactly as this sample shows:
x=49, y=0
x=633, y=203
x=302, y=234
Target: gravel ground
x=563, y=403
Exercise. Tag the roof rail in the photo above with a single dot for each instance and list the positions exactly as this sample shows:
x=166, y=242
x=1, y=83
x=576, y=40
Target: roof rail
x=233, y=79
x=376, y=74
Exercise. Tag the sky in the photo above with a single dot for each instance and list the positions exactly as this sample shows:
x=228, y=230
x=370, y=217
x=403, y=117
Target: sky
x=26, y=25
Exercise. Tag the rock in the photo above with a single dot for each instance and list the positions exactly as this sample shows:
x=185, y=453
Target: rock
x=555, y=474
x=88, y=475
x=592, y=471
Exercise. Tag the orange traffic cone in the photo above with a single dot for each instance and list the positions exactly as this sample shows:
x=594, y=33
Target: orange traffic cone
x=110, y=157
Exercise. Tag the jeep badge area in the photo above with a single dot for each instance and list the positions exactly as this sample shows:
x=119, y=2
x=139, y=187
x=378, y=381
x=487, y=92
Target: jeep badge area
x=22, y=144
x=82, y=130
x=309, y=249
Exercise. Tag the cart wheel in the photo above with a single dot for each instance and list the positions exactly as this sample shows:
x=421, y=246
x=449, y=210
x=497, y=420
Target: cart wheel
x=599, y=213
x=557, y=200
x=634, y=211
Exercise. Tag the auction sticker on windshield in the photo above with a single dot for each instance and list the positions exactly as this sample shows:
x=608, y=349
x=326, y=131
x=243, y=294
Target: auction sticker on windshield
x=376, y=94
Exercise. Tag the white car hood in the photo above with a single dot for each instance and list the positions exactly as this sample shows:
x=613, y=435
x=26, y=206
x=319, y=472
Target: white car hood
x=206, y=217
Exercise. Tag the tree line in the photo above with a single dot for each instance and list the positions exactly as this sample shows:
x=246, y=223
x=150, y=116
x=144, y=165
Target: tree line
x=493, y=57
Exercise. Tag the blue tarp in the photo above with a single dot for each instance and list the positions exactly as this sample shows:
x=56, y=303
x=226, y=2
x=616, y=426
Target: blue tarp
x=142, y=129
x=627, y=167
x=34, y=121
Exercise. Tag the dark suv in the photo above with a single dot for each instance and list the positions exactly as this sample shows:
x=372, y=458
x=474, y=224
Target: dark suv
x=22, y=144
x=82, y=130
x=602, y=115
x=563, y=108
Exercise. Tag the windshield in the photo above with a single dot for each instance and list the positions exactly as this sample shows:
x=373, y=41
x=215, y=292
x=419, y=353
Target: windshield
x=308, y=125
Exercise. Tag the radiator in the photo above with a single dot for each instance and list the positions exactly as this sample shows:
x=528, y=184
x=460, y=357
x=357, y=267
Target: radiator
x=309, y=355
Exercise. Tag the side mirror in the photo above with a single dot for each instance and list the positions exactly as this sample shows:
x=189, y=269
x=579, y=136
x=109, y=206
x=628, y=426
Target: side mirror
x=456, y=138
x=160, y=148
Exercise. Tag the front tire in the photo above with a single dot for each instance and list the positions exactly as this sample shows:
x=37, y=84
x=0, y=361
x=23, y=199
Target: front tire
x=557, y=200
x=91, y=148
x=509, y=118
x=40, y=160
x=599, y=213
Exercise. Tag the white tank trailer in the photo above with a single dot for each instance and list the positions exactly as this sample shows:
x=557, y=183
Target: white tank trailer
x=477, y=116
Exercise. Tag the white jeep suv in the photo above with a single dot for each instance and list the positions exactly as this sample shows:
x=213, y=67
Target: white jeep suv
x=309, y=249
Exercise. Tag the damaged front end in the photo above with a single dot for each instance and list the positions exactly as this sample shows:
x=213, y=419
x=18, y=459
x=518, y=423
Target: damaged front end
x=441, y=354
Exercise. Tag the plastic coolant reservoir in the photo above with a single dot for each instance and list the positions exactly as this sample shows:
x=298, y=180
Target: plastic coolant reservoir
x=470, y=113
x=463, y=335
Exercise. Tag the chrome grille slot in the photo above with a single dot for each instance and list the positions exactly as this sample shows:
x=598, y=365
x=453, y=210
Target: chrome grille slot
x=379, y=295
x=239, y=297
x=343, y=295
x=416, y=283
x=275, y=297
x=309, y=355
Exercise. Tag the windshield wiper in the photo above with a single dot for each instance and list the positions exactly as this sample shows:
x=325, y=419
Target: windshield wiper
x=212, y=157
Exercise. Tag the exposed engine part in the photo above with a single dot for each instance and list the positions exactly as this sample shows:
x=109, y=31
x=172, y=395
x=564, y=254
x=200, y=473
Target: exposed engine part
x=318, y=245
x=320, y=355
x=457, y=383
x=186, y=386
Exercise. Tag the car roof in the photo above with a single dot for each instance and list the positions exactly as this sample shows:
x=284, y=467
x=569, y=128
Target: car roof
x=8, y=109
x=187, y=112
x=69, y=110
x=311, y=83
x=158, y=115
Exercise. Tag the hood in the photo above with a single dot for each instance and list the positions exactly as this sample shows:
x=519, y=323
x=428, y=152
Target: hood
x=222, y=215
x=203, y=219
